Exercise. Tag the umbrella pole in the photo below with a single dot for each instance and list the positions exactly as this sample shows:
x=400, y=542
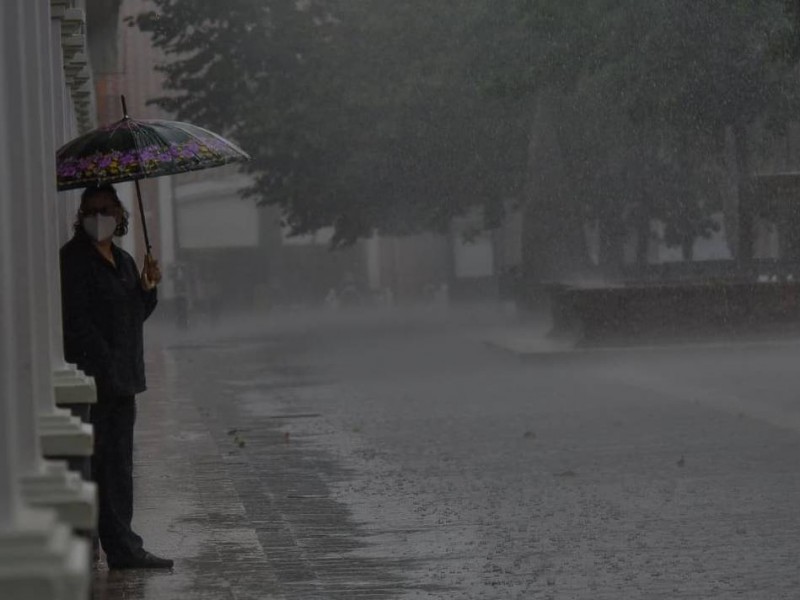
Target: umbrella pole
x=138, y=190
x=144, y=222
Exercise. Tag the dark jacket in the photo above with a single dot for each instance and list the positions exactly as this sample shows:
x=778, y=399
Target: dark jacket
x=104, y=310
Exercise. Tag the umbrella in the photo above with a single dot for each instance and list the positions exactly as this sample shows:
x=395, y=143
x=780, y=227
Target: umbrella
x=131, y=149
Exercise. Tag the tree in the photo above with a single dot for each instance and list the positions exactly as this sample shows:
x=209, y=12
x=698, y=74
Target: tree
x=360, y=116
x=257, y=71
x=648, y=89
x=710, y=68
x=400, y=116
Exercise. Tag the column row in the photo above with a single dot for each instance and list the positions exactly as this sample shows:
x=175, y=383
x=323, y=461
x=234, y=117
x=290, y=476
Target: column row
x=41, y=502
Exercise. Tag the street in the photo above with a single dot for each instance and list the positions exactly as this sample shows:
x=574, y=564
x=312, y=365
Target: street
x=402, y=457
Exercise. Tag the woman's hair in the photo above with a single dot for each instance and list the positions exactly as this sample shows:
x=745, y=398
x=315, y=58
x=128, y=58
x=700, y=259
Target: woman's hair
x=91, y=192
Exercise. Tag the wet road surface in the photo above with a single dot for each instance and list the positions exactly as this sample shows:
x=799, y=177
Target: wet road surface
x=403, y=458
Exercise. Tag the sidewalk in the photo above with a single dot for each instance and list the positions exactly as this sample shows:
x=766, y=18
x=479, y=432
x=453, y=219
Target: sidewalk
x=527, y=340
x=186, y=507
x=408, y=464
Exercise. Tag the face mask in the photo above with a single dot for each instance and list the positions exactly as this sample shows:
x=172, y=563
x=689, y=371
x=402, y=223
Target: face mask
x=99, y=227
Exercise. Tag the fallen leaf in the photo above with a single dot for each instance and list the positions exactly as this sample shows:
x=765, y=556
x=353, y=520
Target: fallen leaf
x=566, y=474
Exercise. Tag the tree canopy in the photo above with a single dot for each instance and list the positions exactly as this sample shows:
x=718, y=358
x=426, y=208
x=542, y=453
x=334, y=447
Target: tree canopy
x=646, y=91
x=400, y=116
x=358, y=115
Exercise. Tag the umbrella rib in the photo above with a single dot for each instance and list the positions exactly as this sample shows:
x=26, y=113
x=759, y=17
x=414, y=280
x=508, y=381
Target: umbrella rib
x=193, y=130
x=133, y=127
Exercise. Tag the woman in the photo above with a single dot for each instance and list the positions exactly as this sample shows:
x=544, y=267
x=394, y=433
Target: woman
x=105, y=303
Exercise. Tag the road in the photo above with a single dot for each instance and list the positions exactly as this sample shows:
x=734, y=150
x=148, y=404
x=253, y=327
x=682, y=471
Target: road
x=403, y=458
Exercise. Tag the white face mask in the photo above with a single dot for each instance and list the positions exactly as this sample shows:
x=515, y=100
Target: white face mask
x=100, y=227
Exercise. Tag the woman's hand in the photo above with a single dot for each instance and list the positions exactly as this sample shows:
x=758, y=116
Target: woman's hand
x=151, y=273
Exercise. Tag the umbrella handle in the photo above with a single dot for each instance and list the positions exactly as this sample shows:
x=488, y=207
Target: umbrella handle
x=141, y=213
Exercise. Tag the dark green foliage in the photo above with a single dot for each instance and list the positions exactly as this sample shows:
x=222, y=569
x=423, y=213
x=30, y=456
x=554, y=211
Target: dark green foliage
x=648, y=89
x=402, y=115
x=357, y=115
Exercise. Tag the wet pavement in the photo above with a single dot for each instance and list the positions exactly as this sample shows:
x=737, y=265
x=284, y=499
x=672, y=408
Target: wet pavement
x=402, y=458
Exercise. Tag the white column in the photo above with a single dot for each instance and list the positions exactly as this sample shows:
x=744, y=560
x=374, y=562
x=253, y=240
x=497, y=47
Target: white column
x=43, y=483
x=61, y=433
x=10, y=500
x=39, y=558
x=53, y=82
x=70, y=385
x=71, y=200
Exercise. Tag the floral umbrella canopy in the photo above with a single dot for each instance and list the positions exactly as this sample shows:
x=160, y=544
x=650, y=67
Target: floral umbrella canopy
x=131, y=149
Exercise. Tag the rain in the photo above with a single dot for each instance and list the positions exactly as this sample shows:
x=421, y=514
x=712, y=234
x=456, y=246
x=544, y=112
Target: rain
x=457, y=299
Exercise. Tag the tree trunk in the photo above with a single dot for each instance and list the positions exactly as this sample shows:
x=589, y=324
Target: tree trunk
x=738, y=225
x=642, y=237
x=687, y=247
x=612, y=245
x=553, y=242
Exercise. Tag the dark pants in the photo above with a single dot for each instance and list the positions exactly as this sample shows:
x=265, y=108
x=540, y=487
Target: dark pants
x=113, y=418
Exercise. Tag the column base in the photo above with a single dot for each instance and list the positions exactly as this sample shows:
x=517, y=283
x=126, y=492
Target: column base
x=56, y=487
x=70, y=386
x=39, y=558
x=61, y=434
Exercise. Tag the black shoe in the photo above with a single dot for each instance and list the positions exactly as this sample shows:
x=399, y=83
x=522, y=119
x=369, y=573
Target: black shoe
x=143, y=560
